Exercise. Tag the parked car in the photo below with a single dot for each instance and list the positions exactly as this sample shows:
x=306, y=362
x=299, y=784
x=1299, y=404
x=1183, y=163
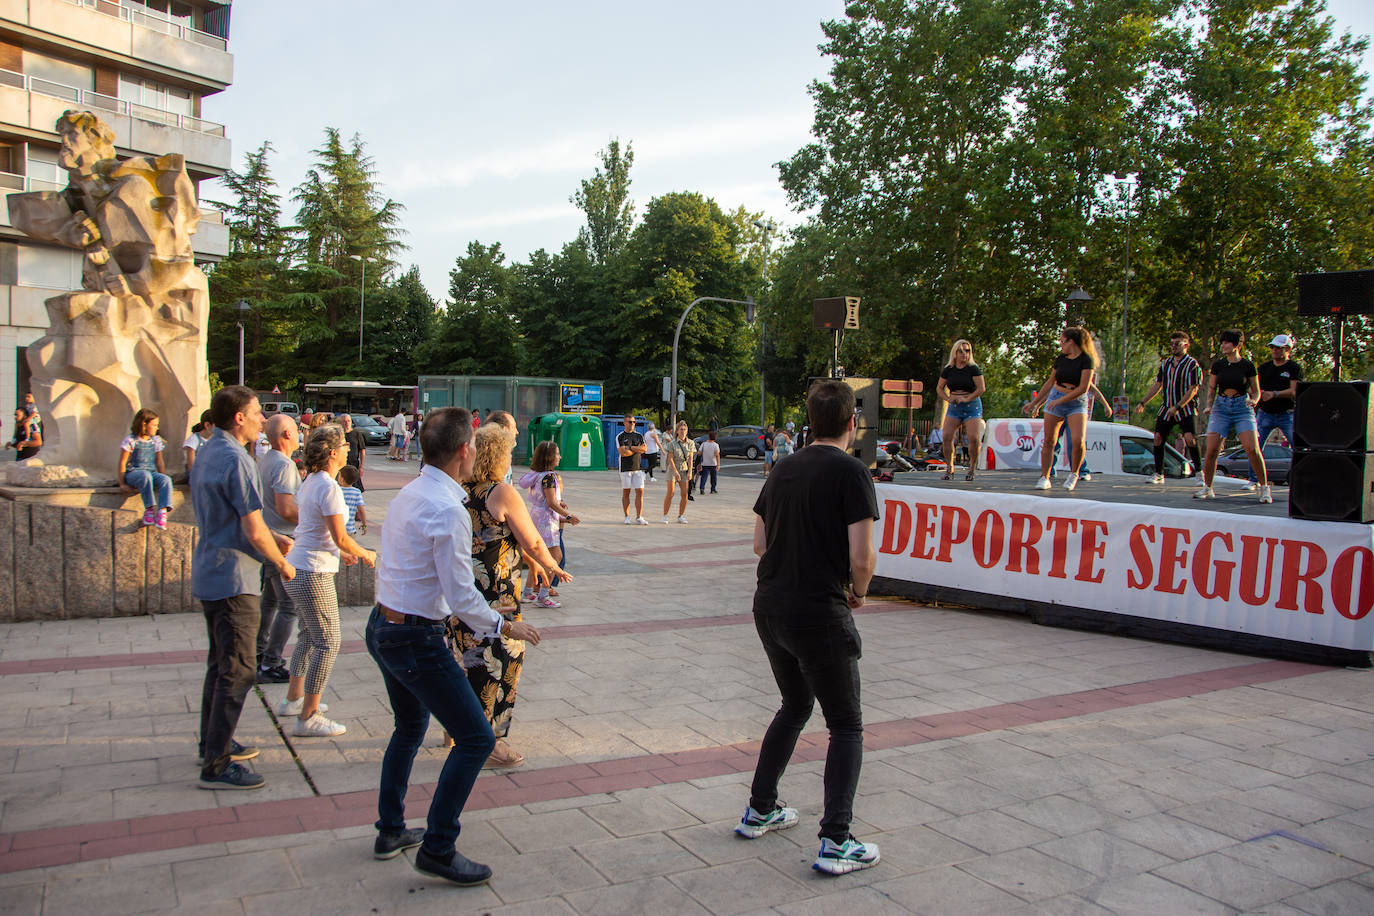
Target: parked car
x=1277, y=460
x=738, y=440
x=287, y=407
x=374, y=433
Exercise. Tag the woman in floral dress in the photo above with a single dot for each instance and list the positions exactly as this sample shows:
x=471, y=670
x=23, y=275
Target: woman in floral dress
x=501, y=529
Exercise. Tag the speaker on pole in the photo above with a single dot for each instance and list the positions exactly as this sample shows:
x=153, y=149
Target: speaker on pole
x=1345, y=292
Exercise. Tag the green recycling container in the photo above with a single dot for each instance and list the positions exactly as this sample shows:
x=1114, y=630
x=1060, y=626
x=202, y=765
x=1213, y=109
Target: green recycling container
x=580, y=444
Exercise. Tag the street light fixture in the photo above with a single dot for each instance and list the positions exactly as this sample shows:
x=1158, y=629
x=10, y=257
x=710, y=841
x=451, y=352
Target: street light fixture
x=243, y=308
x=768, y=229
x=747, y=303
x=362, y=299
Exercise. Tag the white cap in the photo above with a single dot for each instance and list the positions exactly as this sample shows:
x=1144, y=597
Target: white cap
x=1282, y=340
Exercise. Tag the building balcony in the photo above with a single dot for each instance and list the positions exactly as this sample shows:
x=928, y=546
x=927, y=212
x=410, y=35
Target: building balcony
x=27, y=101
x=144, y=35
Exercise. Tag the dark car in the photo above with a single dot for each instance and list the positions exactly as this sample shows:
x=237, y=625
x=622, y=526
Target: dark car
x=1277, y=460
x=738, y=440
x=373, y=432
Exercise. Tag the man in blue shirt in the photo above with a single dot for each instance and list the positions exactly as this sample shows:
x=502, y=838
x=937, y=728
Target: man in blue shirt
x=226, y=577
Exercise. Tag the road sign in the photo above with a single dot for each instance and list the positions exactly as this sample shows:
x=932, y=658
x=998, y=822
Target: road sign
x=906, y=401
x=901, y=384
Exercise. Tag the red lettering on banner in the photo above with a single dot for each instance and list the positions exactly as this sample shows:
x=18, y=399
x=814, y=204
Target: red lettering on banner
x=1295, y=572
x=1252, y=572
x=1025, y=533
x=1348, y=604
x=896, y=526
x=954, y=529
x=1144, y=572
x=1092, y=549
x=1171, y=557
x=925, y=527
x=1060, y=529
x=988, y=534
x=1202, y=559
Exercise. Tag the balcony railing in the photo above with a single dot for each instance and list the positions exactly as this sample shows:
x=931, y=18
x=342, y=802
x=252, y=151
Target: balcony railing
x=90, y=99
x=152, y=19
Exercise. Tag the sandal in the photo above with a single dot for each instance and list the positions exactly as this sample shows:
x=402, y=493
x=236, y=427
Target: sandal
x=504, y=756
x=948, y=474
x=971, y=472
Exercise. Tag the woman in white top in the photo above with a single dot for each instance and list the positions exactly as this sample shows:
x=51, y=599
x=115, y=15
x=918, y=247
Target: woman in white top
x=200, y=435
x=653, y=445
x=321, y=538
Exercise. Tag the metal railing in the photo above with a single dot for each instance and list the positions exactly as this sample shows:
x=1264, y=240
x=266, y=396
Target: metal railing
x=157, y=22
x=91, y=99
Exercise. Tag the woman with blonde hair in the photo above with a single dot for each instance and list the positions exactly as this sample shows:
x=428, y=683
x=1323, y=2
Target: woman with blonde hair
x=1065, y=398
x=501, y=529
x=321, y=539
x=961, y=388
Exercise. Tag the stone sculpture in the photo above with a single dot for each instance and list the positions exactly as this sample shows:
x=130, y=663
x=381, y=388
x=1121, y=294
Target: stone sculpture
x=135, y=337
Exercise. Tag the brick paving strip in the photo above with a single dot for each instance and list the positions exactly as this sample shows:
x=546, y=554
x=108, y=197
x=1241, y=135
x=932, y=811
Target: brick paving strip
x=65, y=845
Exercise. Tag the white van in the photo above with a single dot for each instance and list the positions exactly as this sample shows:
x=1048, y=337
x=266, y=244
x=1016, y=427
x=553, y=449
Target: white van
x=291, y=408
x=1112, y=448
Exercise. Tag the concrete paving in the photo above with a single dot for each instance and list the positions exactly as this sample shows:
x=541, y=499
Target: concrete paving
x=1009, y=768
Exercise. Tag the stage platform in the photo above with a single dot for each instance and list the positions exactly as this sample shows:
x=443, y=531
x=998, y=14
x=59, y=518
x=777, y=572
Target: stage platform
x=1174, y=493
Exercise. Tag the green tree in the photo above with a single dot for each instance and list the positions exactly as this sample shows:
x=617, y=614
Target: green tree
x=476, y=334
x=400, y=320
x=605, y=199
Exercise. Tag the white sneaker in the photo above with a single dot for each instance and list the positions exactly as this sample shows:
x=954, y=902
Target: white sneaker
x=1205, y=493
x=1043, y=483
x=1070, y=482
x=317, y=726
x=641, y=521
x=665, y=519
x=1156, y=478
x=1086, y=476
x=293, y=707
x=629, y=521
x=682, y=519
x=1250, y=487
x=1266, y=495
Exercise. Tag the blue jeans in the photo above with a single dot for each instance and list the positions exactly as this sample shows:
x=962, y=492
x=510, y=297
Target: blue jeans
x=813, y=660
x=232, y=626
x=155, y=488
x=1058, y=405
x=705, y=470
x=421, y=678
x=970, y=410
x=1267, y=423
x=1230, y=413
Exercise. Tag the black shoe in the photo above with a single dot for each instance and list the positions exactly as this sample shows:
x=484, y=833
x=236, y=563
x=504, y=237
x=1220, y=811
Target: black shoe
x=237, y=752
x=461, y=870
x=233, y=776
x=277, y=674
x=390, y=845
x=691, y=497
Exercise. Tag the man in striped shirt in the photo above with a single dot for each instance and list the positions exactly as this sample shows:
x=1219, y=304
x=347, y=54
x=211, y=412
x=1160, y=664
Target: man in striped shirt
x=1180, y=378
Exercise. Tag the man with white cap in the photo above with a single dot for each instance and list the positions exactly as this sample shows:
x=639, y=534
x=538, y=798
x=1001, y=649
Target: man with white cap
x=1278, y=382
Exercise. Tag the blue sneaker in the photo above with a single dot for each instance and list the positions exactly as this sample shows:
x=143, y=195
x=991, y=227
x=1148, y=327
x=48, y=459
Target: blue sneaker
x=843, y=858
x=754, y=825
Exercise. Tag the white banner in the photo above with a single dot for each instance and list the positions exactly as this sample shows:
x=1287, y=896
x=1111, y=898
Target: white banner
x=1285, y=578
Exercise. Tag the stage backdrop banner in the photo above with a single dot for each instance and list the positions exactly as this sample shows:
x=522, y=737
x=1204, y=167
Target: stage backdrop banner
x=1290, y=579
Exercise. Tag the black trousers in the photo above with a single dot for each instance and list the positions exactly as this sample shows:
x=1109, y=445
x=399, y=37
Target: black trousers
x=813, y=660
x=232, y=624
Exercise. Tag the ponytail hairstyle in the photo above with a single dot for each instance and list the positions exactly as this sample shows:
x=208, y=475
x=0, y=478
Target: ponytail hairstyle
x=1084, y=340
x=543, y=455
x=322, y=441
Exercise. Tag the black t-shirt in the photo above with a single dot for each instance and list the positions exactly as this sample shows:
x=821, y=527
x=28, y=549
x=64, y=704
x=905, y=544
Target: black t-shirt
x=768, y=439
x=1233, y=376
x=627, y=439
x=1278, y=378
x=357, y=442
x=1068, y=370
x=960, y=381
x=807, y=504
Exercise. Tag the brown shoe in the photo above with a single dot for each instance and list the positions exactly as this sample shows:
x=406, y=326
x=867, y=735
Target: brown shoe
x=505, y=757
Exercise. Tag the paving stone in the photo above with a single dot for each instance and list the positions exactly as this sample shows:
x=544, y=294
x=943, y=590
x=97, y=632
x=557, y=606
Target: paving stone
x=961, y=795
x=563, y=828
x=1103, y=854
x=24, y=899
x=1150, y=895
x=207, y=880
x=739, y=887
x=636, y=897
x=131, y=891
x=535, y=875
x=1343, y=837
x=1232, y=817
x=991, y=831
x=637, y=814
x=1229, y=880
x=1029, y=874
x=1341, y=897
x=865, y=900
x=630, y=858
x=1295, y=860
x=891, y=810
x=947, y=890
x=1059, y=815
x=1172, y=836
x=1295, y=806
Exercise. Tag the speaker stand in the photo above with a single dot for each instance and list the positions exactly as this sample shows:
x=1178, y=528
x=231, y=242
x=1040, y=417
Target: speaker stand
x=1338, y=343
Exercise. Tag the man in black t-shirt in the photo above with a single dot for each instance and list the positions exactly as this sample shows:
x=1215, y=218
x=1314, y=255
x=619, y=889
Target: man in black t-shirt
x=357, y=446
x=1278, y=382
x=630, y=446
x=813, y=535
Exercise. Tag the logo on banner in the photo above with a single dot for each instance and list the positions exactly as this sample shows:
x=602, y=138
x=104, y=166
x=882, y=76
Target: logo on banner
x=1026, y=443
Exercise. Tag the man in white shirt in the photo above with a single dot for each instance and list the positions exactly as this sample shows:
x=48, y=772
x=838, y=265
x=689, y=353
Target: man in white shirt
x=397, y=428
x=280, y=481
x=423, y=577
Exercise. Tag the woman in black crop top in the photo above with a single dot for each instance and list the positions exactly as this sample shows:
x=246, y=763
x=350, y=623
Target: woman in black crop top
x=961, y=389
x=1065, y=397
x=1233, y=387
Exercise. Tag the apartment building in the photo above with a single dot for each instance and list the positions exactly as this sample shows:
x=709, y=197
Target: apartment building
x=143, y=66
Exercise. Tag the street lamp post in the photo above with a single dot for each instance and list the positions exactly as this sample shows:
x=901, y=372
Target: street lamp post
x=243, y=308
x=362, y=299
x=747, y=303
x=1126, y=285
x=768, y=229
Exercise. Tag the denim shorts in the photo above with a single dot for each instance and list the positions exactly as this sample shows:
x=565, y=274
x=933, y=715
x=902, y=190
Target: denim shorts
x=973, y=410
x=1063, y=407
x=1231, y=413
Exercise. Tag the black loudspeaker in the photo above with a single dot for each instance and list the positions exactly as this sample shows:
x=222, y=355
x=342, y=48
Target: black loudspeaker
x=1331, y=486
x=1346, y=292
x=1333, y=416
x=836, y=313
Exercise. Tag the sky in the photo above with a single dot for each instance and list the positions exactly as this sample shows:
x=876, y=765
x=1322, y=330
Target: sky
x=482, y=119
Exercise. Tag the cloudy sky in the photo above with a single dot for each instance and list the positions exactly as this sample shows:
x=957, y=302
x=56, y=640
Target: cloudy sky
x=483, y=118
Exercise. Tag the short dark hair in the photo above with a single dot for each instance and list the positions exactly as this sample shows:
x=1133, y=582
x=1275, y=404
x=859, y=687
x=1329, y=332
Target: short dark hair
x=829, y=407
x=229, y=402
x=500, y=417
x=206, y=420
x=142, y=417
x=445, y=429
x=1180, y=335
x=349, y=476
x=1232, y=336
